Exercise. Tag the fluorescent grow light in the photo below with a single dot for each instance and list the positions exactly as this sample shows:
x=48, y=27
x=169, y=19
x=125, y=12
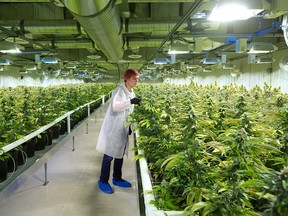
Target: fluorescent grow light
x=210, y=60
x=227, y=66
x=10, y=48
x=50, y=60
x=227, y=11
x=264, y=60
x=161, y=61
x=177, y=48
x=5, y=62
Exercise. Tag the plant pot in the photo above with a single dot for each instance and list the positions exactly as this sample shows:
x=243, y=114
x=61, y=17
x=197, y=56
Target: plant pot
x=12, y=161
x=29, y=147
x=49, y=135
x=63, y=128
x=41, y=142
x=56, y=129
x=21, y=157
x=3, y=170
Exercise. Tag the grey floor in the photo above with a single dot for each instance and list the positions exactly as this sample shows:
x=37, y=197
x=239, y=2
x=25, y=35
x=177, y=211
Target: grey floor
x=72, y=189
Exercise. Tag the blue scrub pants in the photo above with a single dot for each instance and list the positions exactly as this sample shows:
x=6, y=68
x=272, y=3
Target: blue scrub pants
x=105, y=169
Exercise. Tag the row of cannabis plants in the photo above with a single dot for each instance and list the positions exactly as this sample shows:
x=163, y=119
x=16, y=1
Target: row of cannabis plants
x=215, y=151
x=26, y=109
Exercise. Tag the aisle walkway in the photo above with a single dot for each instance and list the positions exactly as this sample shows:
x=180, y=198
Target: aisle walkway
x=72, y=189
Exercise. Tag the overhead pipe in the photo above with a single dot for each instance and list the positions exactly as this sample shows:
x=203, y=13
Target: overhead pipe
x=182, y=20
x=101, y=21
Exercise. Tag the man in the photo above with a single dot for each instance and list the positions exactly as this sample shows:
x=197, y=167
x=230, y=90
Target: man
x=113, y=138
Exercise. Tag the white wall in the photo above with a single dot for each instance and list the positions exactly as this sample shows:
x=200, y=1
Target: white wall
x=251, y=75
x=11, y=77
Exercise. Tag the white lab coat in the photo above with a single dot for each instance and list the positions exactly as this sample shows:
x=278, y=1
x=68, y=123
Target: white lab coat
x=113, y=138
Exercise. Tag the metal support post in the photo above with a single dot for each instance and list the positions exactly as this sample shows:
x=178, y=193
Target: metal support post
x=68, y=124
x=45, y=172
x=73, y=143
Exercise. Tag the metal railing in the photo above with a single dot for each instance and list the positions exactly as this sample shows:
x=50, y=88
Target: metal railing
x=67, y=115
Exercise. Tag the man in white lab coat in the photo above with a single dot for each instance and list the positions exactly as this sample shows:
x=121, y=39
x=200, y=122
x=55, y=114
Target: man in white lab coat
x=113, y=138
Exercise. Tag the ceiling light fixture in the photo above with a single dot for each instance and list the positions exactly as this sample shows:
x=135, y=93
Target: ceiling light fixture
x=228, y=66
x=5, y=62
x=94, y=56
x=210, y=61
x=134, y=55
x=261, y=47
x=10, y=48
x=50, y=60
x=30, y=67
x=178, y=48
x=264, y=60
x=161, y=61
x=207, y=70
x=227, y=11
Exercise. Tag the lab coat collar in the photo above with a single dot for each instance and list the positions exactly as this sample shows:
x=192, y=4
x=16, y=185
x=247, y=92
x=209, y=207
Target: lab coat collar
x=126, y=90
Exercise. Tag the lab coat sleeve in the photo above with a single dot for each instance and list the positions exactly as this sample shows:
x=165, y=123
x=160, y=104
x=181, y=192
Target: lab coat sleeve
x=120, y=102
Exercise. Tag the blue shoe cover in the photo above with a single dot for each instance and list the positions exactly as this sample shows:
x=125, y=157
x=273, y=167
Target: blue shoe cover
x=121, y=183
x=105, y=187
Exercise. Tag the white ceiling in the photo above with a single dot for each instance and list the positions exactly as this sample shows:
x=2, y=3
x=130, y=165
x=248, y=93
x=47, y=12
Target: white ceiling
x=132, y=33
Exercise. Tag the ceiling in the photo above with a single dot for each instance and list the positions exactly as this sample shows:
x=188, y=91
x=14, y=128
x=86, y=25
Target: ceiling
x=101, y=40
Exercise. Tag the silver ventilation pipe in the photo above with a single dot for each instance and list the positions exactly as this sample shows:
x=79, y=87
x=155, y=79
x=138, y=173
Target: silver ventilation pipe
x=101, y=21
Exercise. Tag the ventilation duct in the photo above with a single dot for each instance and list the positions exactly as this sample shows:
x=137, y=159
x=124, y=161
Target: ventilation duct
x=101, y=21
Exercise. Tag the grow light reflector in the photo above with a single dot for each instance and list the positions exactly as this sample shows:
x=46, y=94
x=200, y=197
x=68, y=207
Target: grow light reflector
x=264, y=60
x=227, y=11
x=5, y=62
x=11, y=48
x=177, y=48
x=227, y=66
x=210, y=60
x=50, y=60
x=161, y=61
x=261, y=47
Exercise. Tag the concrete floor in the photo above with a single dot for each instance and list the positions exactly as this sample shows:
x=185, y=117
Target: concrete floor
x=72, y=189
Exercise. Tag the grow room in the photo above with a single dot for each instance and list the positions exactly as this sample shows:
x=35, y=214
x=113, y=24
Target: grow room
x=209, y=137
